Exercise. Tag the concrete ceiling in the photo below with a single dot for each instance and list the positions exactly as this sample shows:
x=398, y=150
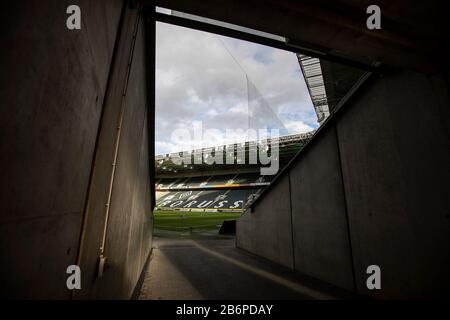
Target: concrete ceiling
x=413, y=33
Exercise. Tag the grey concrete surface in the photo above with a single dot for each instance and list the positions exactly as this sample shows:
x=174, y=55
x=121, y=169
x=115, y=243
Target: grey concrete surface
x=202, y=268
x=53, y=83
x=321, y=238
x=267, y=230
x=411, y=35
x=129, y=225
x=61, y=90
x=394, y=160
x=61, y=94
x=35, y=254
x=302, y=224
x=394, y=142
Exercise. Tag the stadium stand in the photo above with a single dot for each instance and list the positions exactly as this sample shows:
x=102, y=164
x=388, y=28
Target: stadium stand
x=217, y=187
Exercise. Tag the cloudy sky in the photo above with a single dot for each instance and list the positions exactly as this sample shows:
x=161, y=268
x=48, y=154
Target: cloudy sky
x=201, y=82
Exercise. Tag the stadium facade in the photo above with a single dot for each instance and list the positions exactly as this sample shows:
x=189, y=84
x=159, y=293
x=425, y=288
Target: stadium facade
x=198, y=186
x=218, y=187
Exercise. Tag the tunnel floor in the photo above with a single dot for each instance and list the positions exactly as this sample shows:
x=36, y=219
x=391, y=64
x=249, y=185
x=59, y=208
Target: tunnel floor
x=203, y=268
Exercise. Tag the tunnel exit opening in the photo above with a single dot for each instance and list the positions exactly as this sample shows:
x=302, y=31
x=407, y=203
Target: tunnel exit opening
x=217, y=109
x=219, y=76
x=214, y=77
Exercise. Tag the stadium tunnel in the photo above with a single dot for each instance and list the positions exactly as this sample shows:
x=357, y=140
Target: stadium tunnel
x=77, y=137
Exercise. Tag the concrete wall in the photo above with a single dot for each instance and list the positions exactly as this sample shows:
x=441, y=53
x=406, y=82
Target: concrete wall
x=394, y=142
x=267, y=231
x=301, y=223
x=54, y=87
x=129, y=224
x=371, y=188
x=321, y=240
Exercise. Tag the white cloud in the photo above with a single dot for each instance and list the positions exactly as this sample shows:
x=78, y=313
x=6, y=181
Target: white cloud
x=298, y=127
x=198, y=80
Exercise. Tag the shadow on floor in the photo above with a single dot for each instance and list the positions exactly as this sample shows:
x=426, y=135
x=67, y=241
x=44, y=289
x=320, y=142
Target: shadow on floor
x=211, y=267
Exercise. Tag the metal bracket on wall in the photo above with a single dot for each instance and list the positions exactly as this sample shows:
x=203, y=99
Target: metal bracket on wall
x=101, y=265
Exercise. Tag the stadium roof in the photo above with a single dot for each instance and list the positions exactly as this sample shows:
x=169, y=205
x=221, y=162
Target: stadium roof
x=312, y=73
x=288, y=146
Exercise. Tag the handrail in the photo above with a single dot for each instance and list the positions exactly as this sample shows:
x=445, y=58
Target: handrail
x=117, y=144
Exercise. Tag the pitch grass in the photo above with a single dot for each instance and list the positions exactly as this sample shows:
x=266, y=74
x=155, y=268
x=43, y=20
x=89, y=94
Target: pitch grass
x=180, y=220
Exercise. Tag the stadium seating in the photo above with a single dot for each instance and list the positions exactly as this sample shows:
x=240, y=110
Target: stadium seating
x=218, y=187
x=204, y=200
